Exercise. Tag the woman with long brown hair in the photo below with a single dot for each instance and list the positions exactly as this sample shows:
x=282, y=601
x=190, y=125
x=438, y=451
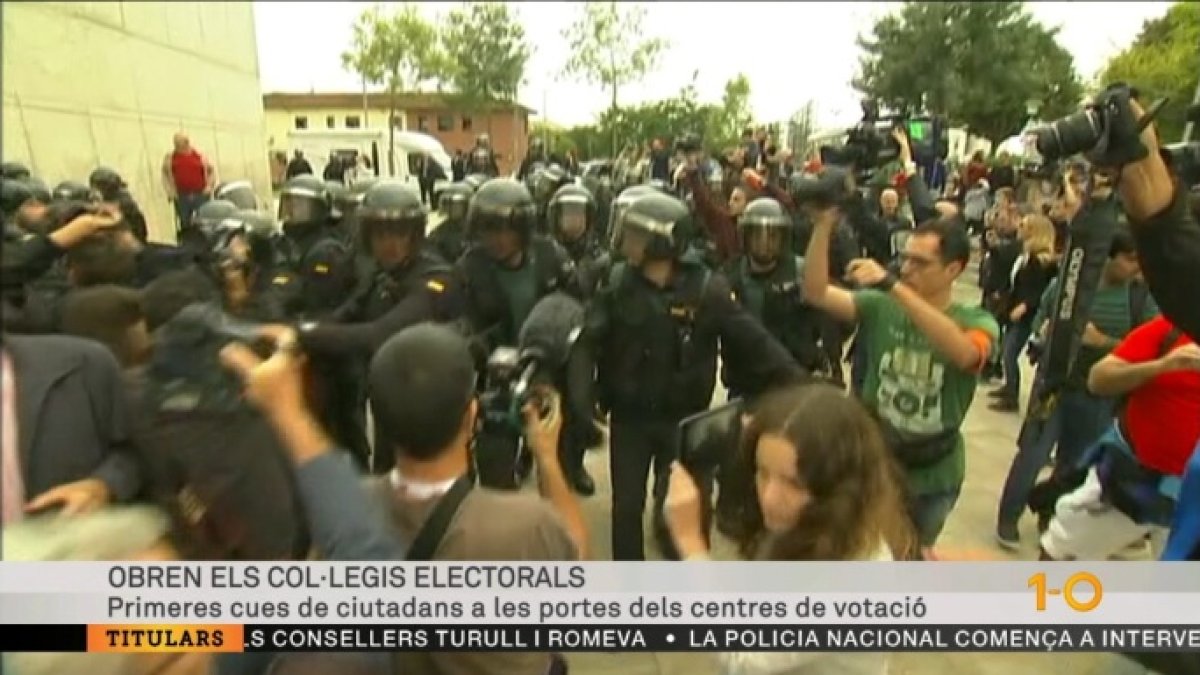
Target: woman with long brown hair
x=825, y=487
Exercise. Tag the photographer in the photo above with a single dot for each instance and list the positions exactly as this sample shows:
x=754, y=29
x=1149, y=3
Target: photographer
x=822, y=487
x=924, y=351
x=422, y=388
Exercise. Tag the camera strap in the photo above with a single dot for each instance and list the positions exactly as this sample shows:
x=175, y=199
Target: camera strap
x=430, y=536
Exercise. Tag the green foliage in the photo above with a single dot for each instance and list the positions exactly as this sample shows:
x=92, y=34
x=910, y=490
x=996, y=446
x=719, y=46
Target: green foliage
x=976, y=62
x=558, y=139
x=607, y=47
x=727, y=122
x=398, y=49
x=1164, y=60
x=486, y=52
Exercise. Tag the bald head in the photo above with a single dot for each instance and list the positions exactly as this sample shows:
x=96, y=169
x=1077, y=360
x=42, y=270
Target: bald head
x=182, y=144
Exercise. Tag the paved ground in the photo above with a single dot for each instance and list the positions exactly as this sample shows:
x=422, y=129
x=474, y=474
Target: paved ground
x=990, y=439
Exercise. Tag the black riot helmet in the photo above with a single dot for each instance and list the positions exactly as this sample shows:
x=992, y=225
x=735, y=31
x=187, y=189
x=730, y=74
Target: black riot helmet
x=338, y=195
x=106, y=184
x=659, y=185
x=71, y=191
x=571, y=213
x=548, y=183
x=14, y=171
x=13, y=195
x=240, y=192
x=481, y=159
x=304, y=202
x=662, y=222
x=628, y=196
x=392, y=206
x=501, y=203
x=354, y=196
x=41, y=193
x=765, y=228
x=210, y=215
x=248, y=237
x=455, y=200
x=483, y=141
x=533, y=175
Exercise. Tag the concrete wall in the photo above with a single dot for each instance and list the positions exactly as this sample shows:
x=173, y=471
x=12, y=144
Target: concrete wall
x=108, y=83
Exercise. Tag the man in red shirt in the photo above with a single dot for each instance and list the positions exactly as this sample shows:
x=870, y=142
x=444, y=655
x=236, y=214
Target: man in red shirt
x=188, y=179
x=1156, y=368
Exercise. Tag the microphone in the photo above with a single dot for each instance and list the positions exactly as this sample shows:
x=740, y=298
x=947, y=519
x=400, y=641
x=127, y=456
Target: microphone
x=551, y=330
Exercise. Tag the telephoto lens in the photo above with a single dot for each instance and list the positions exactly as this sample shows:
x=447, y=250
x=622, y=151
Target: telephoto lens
x=1070, y=135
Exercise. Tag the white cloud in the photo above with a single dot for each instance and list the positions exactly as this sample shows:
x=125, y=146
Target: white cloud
x=792, y=52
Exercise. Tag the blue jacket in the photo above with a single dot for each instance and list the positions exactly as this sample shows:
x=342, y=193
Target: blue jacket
x=1184, y=542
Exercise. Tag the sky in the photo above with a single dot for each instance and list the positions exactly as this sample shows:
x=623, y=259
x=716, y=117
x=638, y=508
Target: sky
x=792, y=52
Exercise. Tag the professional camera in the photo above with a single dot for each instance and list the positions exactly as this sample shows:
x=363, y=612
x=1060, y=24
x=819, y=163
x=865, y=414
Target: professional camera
x=1100, y=129
x=830, y=187
x=869, y=144
x=688, y=143
x=514, y=376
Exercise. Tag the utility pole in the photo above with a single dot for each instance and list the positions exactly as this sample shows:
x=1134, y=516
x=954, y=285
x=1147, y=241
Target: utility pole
x=365, y=123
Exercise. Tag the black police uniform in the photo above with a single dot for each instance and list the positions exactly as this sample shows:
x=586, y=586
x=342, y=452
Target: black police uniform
x=483, y=161
x=656, y=359
x=422, y=288
x=773, y=295
x=500, y=298
x=449, y=238
x=271, y=287
x=535, y=156
x=315, y=250
x=591, y=259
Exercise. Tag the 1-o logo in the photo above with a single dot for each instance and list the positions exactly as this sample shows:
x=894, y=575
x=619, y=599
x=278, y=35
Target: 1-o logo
x=1079, y=583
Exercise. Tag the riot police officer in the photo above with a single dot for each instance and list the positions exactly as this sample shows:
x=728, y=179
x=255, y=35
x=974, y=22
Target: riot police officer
x=619, y=205
x=239, y=192
x=548, y=182
x=199, y=234
x=571, y=217
x=109, y=188
x=245, y=265
x=449, y=238
x=765, y=280
x=14, y=171
x=535, y=156
x=316, y=252
x=507, y=268
x=654, y=330
x=24, y=204
x=483, y=159
x=410, y=285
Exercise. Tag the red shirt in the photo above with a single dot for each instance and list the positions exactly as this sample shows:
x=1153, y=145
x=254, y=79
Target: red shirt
x=188, y=171
x=1162, y=416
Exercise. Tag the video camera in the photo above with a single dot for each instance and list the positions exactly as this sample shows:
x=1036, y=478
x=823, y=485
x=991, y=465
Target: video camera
x=514, y=376
x=1091, y=129
x=869, y=144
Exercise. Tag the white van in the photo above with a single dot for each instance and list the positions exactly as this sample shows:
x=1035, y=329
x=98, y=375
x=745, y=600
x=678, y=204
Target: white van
x=318, y=144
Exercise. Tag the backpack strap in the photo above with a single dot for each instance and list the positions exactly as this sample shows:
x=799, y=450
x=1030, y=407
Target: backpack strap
x=426, y=543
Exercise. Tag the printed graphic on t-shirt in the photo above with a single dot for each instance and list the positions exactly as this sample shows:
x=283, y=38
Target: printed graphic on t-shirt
x=910, y=389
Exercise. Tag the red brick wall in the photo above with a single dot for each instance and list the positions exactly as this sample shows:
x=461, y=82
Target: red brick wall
x=503, y=127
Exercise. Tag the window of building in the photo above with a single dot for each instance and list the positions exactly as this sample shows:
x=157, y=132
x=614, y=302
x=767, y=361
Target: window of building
x=301, y=121
x=466, y=123
x=330, y=121
x=353, y=122
x=422, y=123
x=445, y=122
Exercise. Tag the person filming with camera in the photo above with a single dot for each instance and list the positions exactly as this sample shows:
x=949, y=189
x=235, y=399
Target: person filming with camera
x=924, y=350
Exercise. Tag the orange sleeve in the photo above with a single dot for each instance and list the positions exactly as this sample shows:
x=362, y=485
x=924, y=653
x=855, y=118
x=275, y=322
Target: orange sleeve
x=982, y=342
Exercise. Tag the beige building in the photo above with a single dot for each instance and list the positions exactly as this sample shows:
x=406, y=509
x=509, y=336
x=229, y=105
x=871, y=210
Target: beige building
x=90, y=84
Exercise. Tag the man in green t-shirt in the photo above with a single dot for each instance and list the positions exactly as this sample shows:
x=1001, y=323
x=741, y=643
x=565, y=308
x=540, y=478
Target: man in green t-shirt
x=923, y=353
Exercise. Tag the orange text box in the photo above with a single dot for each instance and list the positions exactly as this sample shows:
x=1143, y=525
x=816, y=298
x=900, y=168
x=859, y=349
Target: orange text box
x=164, y=638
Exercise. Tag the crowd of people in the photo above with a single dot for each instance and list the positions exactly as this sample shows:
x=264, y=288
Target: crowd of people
x=209, y=399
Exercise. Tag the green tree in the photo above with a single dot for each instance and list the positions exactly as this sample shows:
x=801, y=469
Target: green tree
x=733, y=115
x=666, y=119
x=976, y=62
x=398, y=50
x=1164, y=60
x=487, y=52
x=608, y=49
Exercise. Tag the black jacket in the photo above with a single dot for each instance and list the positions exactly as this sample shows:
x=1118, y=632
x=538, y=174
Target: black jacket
x=997, y=267
x=1029, y=285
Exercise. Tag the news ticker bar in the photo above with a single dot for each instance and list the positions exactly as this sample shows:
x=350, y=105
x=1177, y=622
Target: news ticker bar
x=583, y=638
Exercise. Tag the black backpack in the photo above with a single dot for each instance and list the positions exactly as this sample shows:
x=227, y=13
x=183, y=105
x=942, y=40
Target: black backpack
x=214, y=462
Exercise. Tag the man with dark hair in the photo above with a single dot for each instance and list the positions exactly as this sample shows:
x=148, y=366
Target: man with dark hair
x=111, y=315
x=422, y=395
x=924, y=352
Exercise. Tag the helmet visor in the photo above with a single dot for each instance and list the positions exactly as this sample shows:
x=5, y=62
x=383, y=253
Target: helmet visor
x=763, y=243
x=297, y=209
x=571, y=219
x=454, y=207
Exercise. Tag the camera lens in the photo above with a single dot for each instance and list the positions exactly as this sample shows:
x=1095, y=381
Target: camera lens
x=1069, y=135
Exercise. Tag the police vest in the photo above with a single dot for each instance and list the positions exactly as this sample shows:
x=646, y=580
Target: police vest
x=658, y=359
x=490, y=306
x=783, y=313
x=427, y=273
